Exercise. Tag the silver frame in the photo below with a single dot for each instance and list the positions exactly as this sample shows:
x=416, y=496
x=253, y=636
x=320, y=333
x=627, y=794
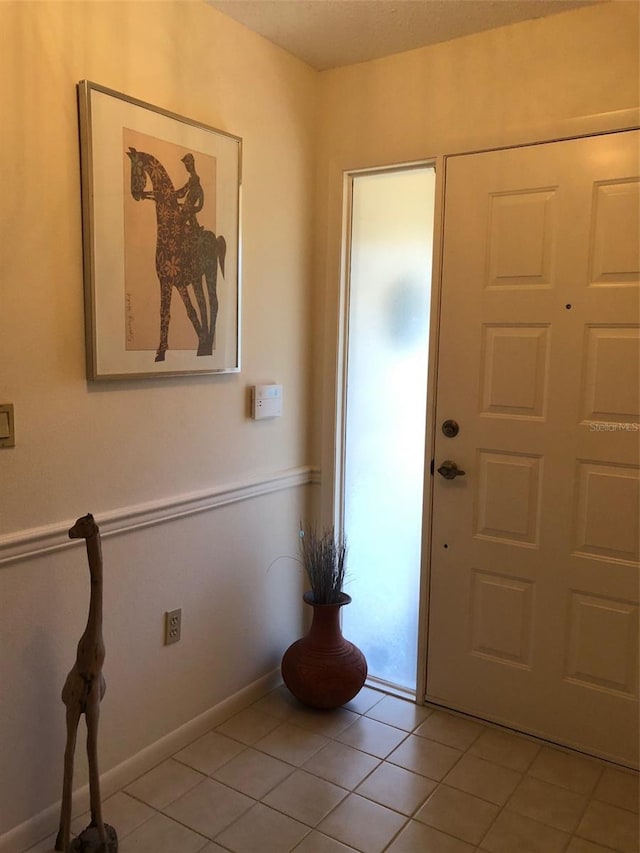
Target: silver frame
x=89, y=142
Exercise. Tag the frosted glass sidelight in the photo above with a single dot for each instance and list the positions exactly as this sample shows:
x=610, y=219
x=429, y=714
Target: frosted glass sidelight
x=387, y=360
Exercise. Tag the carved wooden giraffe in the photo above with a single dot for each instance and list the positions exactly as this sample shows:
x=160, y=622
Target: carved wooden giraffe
x=82, y=693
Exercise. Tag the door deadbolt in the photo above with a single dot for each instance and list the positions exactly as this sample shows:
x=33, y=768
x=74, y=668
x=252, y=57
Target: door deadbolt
x=449, y=470
x=450, y=428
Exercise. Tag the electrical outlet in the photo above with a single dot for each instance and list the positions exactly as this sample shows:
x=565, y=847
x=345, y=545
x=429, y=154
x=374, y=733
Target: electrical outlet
x=172, y=626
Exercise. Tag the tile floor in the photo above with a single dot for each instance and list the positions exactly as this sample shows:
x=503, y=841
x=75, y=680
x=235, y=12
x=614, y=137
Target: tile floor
x=379, y=774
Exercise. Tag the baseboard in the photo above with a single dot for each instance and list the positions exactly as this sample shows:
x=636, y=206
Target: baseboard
x=33, y=830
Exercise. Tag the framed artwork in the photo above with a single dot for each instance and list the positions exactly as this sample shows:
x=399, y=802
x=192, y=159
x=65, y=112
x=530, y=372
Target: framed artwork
x=161, y=235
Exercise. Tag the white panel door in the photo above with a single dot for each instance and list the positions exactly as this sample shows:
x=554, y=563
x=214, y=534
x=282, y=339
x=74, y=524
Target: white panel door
x=533, y=616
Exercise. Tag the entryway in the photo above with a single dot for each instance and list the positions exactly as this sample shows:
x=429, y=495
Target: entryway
x=533, y=588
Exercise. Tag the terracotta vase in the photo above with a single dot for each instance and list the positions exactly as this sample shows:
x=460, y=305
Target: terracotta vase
x=323, y=670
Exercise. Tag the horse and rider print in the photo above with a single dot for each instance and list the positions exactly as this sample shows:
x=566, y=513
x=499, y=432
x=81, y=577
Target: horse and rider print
x=187, y=254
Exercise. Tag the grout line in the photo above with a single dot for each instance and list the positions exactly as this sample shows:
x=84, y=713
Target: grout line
x=334, y=738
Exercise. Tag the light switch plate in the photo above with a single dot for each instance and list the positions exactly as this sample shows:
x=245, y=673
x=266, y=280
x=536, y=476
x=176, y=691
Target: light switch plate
x=7, y=430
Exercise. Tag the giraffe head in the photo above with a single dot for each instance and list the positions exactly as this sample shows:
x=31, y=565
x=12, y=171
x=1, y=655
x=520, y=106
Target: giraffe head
x=84, y=528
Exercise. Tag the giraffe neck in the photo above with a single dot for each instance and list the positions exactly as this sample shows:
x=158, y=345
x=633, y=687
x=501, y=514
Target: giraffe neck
x=94, y=555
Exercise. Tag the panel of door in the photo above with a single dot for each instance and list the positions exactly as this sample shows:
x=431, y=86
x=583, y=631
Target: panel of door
x=533, y=615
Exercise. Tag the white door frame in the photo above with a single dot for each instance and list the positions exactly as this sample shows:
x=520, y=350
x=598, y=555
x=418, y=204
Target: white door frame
x=343, y=365
x=578, y=127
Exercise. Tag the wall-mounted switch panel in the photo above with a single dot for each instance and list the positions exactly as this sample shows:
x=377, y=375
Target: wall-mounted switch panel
x=267, y=401
x=7, y=432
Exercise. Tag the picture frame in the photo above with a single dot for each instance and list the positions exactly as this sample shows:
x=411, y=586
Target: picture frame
x=161, y=204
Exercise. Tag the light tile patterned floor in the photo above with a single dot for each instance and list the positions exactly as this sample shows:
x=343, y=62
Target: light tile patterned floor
x=381, y=774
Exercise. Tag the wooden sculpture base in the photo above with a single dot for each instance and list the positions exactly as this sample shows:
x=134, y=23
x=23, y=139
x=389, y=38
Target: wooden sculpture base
x=89, y=841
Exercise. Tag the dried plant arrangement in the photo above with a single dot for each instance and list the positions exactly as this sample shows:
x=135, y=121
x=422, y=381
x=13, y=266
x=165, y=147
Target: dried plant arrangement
x=324, y=559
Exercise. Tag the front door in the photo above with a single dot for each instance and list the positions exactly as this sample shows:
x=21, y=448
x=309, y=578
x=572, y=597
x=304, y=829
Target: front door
x=533, y=615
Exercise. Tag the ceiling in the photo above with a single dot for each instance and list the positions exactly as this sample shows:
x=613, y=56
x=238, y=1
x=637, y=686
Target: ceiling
x=330, y=33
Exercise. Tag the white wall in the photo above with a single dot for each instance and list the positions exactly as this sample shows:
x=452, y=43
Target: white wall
x=112, y=447
x=494, y=88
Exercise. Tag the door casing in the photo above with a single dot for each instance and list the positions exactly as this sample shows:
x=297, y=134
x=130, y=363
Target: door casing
x=574, y=128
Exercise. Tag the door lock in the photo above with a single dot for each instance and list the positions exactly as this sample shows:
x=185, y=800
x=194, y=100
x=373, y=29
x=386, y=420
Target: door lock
x=449, y=470
x=450, y=428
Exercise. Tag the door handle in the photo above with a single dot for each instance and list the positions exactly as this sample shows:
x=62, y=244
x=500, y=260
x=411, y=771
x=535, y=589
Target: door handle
x=449, y=470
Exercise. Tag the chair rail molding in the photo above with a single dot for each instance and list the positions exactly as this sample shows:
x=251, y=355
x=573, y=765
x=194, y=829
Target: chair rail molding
x=37, y=541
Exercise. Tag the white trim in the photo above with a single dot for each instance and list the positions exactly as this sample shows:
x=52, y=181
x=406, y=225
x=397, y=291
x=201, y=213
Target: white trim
x=342, y=352
x=614, y=121
x=38, y=541
x=315, y=475
x=388, y=687
x=437, y=164
x=430, y=430
x=45, y=823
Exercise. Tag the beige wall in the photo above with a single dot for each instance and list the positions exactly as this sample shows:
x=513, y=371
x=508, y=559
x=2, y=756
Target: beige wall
x=514, y=84
x=160, y=436
x=112, y=447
